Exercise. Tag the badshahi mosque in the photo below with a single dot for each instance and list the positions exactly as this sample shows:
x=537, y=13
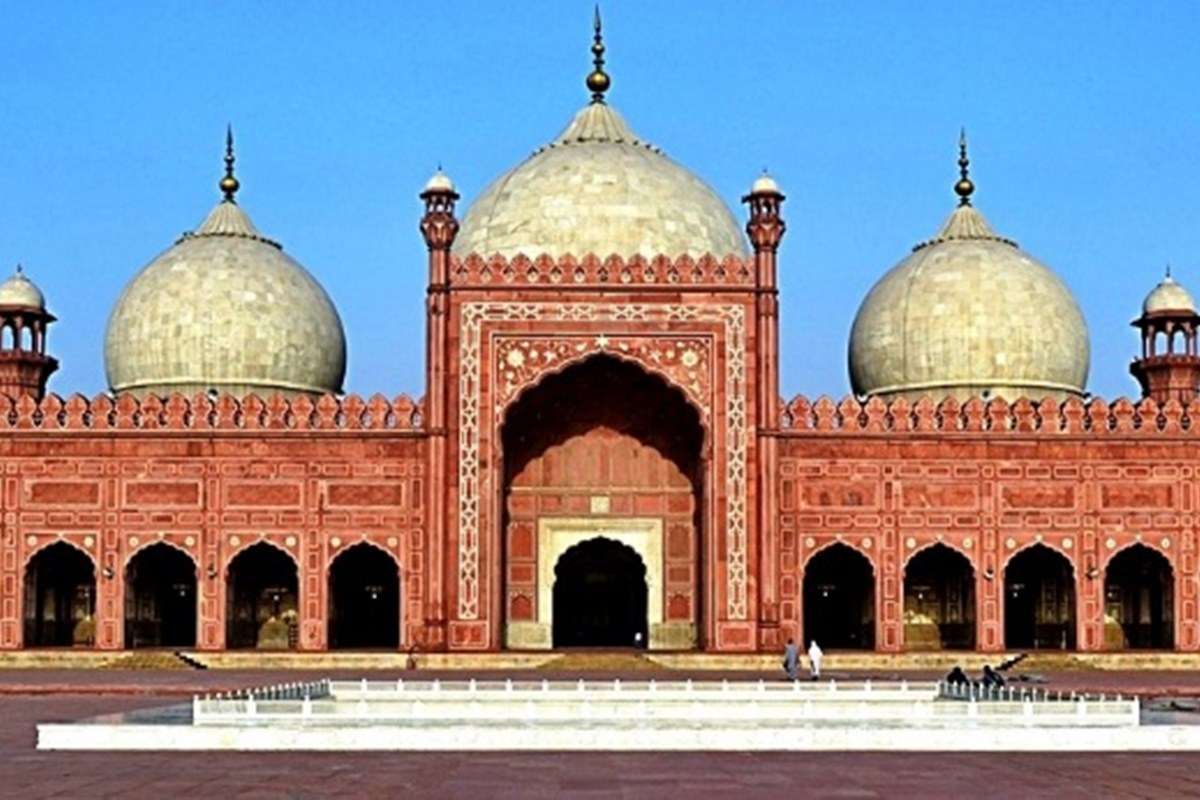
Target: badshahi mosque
x=600, y=455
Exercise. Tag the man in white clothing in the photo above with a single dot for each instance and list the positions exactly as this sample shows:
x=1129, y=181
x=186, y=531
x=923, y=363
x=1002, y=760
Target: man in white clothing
x=814, y=659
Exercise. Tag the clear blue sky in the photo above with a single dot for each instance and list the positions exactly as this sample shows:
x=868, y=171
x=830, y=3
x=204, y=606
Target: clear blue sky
x=1084, y=120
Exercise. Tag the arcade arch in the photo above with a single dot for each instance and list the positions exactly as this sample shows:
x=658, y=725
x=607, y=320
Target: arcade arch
x=262, y=599
x=160, y=598
x=1139, y=600
x=60, y=598
x=364, y=599
x=939, y=600
x=1039, y=600
x=839, y=599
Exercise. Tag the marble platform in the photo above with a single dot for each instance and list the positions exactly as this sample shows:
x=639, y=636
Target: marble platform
x=628, y=716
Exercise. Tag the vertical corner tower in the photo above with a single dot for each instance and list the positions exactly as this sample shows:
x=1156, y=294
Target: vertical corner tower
x=24, y=365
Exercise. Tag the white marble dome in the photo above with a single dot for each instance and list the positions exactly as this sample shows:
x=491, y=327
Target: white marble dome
x=18, y=290
x=1168, y=296
x=225, y=309
x=969, y=314
x=598, y=189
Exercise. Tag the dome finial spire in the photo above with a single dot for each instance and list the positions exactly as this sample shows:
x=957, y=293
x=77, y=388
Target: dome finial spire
x=1168, y=268
x=598, y=81
x=964, y=188
x=229, y=184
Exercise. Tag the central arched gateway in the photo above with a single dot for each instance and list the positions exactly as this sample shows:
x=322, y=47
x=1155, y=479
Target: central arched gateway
x=600, y=596
x=603, y=451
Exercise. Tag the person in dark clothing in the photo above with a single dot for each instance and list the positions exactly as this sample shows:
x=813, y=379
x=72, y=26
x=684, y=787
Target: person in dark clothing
x=991, y=677
x=791, y=659
x=957, y=676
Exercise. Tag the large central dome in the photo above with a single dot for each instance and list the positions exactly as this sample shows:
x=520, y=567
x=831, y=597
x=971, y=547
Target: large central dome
x=598, y=189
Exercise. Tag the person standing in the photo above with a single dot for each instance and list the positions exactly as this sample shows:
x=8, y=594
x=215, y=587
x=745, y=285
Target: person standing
x=791, y=659
x=815, y=654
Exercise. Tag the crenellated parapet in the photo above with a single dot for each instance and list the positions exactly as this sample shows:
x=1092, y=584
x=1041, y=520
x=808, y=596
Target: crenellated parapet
x=201, y=412
x=1097, y=416
x=592, y=271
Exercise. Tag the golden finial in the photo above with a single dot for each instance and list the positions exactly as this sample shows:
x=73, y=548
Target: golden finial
x=598, y=81
x=229, y=184
x=964, y=188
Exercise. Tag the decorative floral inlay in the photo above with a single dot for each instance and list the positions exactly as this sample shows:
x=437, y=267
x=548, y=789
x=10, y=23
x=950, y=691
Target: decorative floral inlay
x=683, y=360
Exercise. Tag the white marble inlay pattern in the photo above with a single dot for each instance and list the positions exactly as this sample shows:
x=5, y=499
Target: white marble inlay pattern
x=475, y=484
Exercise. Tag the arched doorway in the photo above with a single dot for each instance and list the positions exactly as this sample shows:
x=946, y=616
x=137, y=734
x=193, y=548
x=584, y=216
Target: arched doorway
x=60, y=598
x=939, y=600
x=364, y=599
x=600, y=596
x=1039, y=601
x=160, y=598
x=1139, y=600
x=262, y=600
x=839, y=599
x=608, y=447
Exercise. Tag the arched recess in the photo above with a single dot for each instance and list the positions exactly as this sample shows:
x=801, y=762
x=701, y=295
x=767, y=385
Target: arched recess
x=939, y=600
x=604, y=445
x=364, y=599
x=60, y=597
x=600, y=596
x=262, y=599
x=160, y=598
x=1139, y=600
x=1039, y=600
x=839, y=599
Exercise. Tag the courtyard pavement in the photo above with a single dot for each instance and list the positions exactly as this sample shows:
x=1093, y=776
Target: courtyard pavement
x=31, y=696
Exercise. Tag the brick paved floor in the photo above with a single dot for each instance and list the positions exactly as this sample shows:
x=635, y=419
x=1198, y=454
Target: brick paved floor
x=27, y=773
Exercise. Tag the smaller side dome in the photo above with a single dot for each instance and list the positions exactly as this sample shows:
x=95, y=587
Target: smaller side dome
x=1168, y=295
x=18, y=290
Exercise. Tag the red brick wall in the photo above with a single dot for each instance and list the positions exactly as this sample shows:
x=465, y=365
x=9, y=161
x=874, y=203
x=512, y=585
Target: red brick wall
x=212, y=480
x=989, y=481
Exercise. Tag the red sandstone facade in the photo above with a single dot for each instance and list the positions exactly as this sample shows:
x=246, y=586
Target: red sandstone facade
x=608, y=389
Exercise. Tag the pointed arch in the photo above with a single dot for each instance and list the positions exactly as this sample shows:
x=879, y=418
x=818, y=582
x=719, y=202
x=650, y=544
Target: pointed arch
x=262, y=597
x=1139, y=599
x=839, y=598
x=364, y=597
x=59, y=596
x=1039, y=599
x=939, y=599
x=161, y=597
x=600, y=595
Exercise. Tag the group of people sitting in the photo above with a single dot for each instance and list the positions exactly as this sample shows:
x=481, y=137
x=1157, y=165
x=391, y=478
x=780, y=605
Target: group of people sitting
x=989, y=678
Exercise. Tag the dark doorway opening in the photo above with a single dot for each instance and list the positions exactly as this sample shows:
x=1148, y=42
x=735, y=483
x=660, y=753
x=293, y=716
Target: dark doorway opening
x=262, y=600
x=1039, y=601
x=364, y=599
x=600, y=596
x=160, y=598
x=939, y=600
x=60, y=598
x=839, y=600
x=1139, y=599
